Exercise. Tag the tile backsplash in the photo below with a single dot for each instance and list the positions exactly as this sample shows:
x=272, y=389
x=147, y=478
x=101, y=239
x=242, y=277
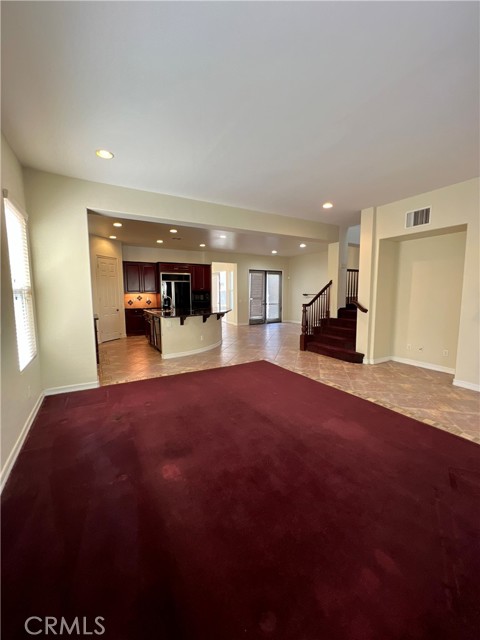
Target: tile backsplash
x=141, y=300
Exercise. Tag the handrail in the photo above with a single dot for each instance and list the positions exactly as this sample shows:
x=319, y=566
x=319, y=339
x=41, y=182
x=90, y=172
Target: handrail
x=359, y=306
x=307, y=304
x=314, y=314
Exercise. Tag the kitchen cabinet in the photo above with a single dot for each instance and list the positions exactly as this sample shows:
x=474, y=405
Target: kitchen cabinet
x=201, y=277
x=140, y=276
x=134, y=322
x=173, y=267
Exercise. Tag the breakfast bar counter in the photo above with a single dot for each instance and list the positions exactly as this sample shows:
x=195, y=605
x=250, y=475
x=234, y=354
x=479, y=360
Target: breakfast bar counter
x=185, y=332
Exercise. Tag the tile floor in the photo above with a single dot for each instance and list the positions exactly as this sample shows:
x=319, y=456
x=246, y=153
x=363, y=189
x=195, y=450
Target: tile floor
x=428, y=396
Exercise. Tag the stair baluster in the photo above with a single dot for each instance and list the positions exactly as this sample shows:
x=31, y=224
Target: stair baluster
x=314, y=313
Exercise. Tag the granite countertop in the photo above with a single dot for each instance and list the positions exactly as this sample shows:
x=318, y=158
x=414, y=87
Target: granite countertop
x=187, y=313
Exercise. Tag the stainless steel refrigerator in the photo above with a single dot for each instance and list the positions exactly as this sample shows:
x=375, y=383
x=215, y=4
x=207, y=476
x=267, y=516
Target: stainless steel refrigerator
x=176, y=290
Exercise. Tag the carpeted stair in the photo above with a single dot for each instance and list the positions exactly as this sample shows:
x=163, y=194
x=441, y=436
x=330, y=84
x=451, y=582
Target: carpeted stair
x=337, y=336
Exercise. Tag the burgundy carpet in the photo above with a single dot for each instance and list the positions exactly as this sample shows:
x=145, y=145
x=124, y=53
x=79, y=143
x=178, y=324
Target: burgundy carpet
x=243, y=502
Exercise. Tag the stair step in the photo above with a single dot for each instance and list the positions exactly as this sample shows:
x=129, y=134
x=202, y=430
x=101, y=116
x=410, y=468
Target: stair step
x=342, y=322
x=347, y=313
x=328, y=338
x=347, y=355
x=339, y=330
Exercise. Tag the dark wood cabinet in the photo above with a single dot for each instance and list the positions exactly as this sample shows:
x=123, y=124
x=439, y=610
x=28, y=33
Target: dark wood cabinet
x=140, y=276
x=131, y=277
x=201, y=277
x=173, y=267
x=150, y=282
x=134, y=322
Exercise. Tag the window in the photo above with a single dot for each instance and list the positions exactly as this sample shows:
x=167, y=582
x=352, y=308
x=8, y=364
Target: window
x=21, y=283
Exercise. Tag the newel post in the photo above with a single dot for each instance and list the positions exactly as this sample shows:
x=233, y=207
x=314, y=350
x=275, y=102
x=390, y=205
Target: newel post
x=303, y=337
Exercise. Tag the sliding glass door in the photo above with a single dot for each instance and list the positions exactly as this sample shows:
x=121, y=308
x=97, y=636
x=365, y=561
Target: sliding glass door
x=265, y=296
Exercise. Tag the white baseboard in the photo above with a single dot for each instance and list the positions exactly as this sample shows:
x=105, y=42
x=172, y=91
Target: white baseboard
x=7, y=467
x=53, y=391
x=423, y=365
x=466, y=385
x=413, y=363
x=168, y=356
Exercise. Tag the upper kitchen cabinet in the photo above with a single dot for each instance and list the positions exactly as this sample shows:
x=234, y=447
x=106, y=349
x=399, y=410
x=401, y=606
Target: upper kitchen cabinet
x=201, y=277
x=173, y=267
x=140, y=276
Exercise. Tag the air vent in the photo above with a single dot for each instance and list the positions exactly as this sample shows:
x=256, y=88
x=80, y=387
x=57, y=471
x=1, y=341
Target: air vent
x=417, y=218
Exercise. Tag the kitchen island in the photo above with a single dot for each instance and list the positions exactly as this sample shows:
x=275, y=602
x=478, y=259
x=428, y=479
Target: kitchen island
x=183, y=333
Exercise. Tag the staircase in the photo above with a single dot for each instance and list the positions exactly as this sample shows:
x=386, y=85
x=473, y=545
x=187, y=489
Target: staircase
x=333, y=337
x=336, y=337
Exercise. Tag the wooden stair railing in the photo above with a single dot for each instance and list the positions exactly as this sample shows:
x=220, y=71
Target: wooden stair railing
x=359, y=306
x=313, y=313
x=351, y=290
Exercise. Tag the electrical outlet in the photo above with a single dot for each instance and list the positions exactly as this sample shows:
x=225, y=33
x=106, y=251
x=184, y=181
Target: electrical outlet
x=409, y=347
x=201, y=338
x=445, y=352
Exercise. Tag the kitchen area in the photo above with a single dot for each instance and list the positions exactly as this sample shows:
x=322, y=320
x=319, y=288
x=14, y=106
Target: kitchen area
x=170, y=304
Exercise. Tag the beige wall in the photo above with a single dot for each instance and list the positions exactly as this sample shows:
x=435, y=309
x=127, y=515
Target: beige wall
x=428, y=298
x=452, y=207
x=353, y=256
x=20, y=392
x=306, y=274
x=110, y=249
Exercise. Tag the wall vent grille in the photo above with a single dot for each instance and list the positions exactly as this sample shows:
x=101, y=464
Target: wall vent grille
x=418, y=217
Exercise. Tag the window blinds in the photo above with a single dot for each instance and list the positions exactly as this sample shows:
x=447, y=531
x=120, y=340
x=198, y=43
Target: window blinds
x=17, y=240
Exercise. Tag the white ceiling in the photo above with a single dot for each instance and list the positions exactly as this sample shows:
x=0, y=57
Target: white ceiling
x=272, y=106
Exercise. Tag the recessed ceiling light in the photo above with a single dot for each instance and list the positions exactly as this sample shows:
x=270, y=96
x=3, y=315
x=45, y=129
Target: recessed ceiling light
x=274, y=251
x=117, y=224
x=112, y=237
x=160, y=241
x=173, y=231
x=223, y=237
x=104, y=154
x=303, y=245
x=203, y=244
x=327, y=205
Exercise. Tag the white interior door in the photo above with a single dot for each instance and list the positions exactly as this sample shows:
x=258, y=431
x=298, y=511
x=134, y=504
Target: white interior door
x=109, y=322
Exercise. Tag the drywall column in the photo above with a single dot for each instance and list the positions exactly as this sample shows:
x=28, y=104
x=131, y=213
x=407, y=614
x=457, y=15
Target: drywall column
x=366, y=277
x=333, y=261
x=384, y=317
x=342, y=265
x=337, y=271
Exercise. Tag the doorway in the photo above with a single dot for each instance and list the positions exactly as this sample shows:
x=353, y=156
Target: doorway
x=265, y=296
x=109, y=323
